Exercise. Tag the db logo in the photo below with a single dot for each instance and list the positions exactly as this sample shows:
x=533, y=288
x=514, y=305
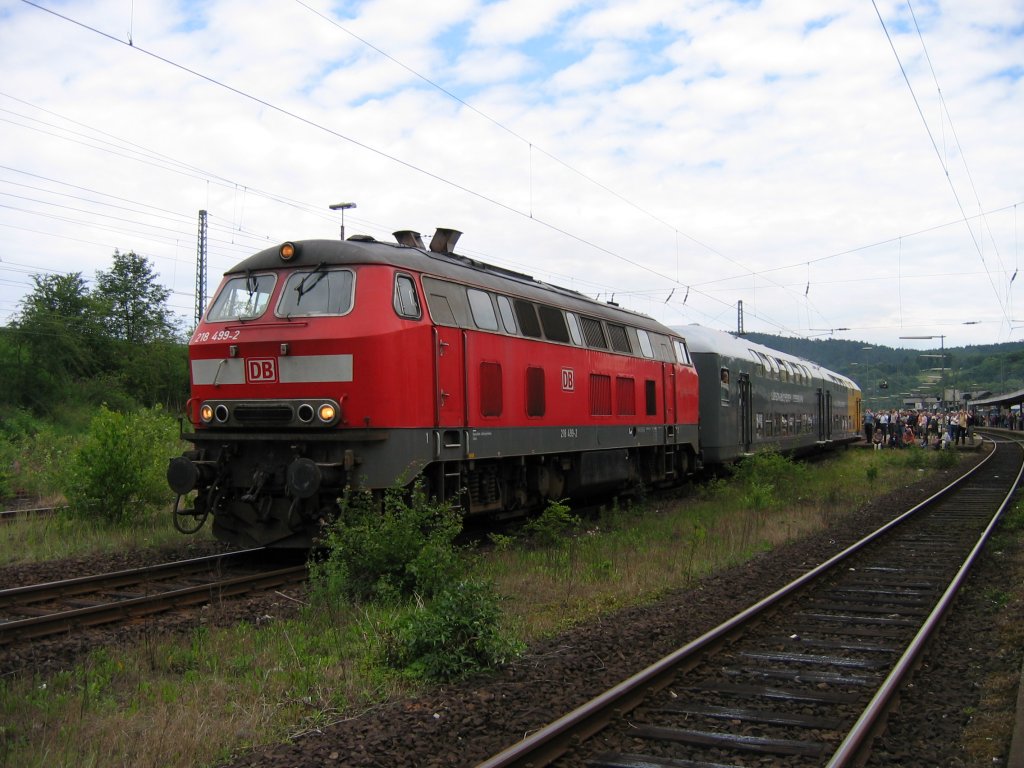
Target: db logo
x=568, y=381
x=261, y=369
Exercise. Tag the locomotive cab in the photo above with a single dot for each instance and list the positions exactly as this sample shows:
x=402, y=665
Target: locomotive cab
x=280, y=422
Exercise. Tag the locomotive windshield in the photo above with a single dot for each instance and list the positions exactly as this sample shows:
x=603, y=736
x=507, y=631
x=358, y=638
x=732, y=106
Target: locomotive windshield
x=242, y=298
x=317, y=292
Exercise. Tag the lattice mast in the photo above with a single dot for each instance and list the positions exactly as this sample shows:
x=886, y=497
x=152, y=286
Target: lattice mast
x=201, y=268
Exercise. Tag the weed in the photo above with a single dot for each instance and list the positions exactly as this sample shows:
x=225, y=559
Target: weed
x=455, y=635
x=946, y=459
x=1013, y=518
x=998, y=597
x=387, y=549
x=553, y=525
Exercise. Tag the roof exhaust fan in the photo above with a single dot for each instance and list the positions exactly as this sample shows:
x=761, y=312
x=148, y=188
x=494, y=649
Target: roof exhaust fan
x=409, y=238
x=444, y=240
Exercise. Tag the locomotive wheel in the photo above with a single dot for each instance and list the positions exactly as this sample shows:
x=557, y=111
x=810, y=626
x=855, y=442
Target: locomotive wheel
x=198, y=519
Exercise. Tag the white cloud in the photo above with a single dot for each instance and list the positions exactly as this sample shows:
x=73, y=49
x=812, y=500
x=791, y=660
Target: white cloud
x=729, y=147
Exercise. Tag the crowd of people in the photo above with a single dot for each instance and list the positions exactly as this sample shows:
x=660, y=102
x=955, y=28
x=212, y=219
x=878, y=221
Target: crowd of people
x=902, y=428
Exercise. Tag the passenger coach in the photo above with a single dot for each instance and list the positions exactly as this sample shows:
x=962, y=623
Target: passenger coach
x=754, y=397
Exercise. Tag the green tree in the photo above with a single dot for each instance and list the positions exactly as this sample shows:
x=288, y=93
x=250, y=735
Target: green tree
x=55, y=341
x=150, y=363
x=133, y=303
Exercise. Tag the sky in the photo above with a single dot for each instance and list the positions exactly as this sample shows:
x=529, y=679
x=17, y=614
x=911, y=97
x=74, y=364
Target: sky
x=848, y=170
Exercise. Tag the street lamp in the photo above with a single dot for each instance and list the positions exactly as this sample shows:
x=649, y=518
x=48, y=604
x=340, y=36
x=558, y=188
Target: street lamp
x=942, y=342
x=342, y=207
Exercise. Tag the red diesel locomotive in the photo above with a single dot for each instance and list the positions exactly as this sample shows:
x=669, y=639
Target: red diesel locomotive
x=326, y=363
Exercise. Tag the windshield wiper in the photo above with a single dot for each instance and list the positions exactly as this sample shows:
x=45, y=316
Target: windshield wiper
x=301, y=288
x=252, y=284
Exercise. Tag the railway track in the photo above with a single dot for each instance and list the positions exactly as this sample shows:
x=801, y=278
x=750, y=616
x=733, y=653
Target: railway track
x=806, y=676
x=25, y=513
x=42, y=610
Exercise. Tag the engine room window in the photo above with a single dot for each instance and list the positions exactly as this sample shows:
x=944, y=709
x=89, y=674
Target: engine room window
x=317, y=292
x=490, y=389
x=600, y=395
x=535, y=404
x=527, y=317
x=593, y=333
x=482, y=309
x=508, y=319
x=407, y=301
x=553, y=322
x=242, y=298
x=619, y=339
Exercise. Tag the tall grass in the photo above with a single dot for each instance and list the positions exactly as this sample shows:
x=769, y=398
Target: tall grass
x=61, y=536
x=174, y=702
x=621, y=559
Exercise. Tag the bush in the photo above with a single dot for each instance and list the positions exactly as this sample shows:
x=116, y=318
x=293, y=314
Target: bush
x=120, y=465
x=947, y=458
x=388, y=548
x=552, y=525
x=455, y=635
x=766, y=478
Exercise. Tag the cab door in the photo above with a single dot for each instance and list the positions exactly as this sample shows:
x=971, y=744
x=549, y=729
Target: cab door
x=668, y=382
x=449, y=377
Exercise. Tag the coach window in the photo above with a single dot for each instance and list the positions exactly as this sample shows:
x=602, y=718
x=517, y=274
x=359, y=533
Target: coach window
x=535, y=392
x=574, y=329
x=407, y=301
x=645, y=343
x=527, y=317
x=508, y=318
x=482, y=309
x=317, y=292
x=242, y=297
x=553, y=322
x=723, y=377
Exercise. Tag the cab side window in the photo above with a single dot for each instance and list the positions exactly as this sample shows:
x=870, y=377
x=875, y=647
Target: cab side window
x=407, y=301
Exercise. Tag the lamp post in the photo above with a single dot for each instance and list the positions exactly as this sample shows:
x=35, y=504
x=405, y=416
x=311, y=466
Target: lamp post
x=942, y=343
x=342, y=207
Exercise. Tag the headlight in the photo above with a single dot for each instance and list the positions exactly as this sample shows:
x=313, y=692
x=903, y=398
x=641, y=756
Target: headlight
x=327, y=412
x=206, y=413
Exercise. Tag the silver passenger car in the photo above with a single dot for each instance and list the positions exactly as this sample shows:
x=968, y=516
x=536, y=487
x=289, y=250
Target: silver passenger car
x=753, y=397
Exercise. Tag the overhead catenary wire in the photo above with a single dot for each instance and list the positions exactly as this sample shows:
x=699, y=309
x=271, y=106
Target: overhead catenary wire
x=238, y=220
x=437, y=177
x=938, y=154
